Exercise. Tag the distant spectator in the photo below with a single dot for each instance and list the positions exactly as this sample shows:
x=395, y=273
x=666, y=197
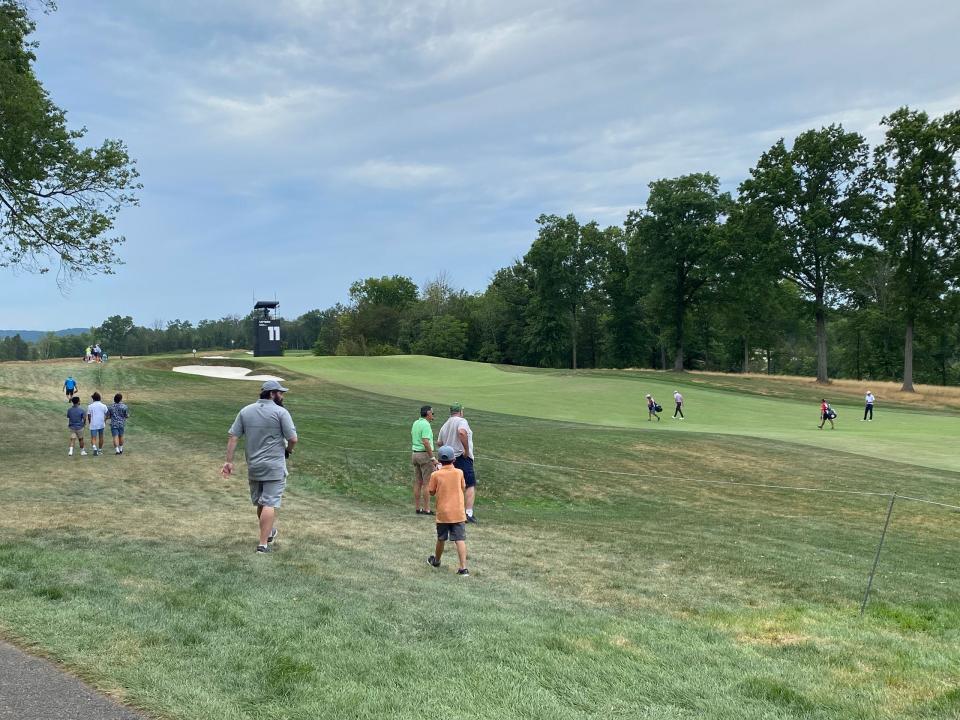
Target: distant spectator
x=70, y=387
x=118, y=412
x=76, y=418
x=868, y=408
x=96, y=420
x=678, y=399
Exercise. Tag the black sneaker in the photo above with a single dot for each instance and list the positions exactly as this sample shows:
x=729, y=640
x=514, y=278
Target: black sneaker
x=471, y=519
x=428, y=512
x=463, y=572
x=272, y=536
x=419, y=511
x=264, y=549
x=433, y=561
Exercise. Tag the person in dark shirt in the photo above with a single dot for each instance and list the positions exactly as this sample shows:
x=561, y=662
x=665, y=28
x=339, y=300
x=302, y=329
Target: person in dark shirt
x=76, y=418
x=118, y=414
x=652, y=409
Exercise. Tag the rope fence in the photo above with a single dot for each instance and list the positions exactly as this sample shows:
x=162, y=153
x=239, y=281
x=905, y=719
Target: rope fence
x=772, y=487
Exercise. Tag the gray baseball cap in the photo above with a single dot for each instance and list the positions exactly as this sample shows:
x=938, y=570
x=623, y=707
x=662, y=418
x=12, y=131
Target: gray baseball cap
x=446, y=454
x=272, y=385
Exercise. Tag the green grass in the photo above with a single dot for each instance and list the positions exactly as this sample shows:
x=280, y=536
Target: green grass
x=658, y=593
x=713, y=405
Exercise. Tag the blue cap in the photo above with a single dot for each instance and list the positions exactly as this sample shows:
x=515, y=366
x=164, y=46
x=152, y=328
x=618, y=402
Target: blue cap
x=446, y=454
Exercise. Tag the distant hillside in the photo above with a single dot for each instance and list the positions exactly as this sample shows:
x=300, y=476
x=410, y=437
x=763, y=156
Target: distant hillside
x=34, y=335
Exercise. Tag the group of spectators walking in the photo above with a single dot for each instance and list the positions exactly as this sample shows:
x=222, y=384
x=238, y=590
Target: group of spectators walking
x=93, y=418
x=445, y=472
x=442, y=467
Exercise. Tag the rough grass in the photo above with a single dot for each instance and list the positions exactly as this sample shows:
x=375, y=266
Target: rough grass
x=665, y=592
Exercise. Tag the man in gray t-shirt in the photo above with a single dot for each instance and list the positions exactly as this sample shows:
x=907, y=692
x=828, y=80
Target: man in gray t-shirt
x=270, y=437
x=76, y=418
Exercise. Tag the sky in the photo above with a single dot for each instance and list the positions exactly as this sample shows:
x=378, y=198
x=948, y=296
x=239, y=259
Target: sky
x=288, y=148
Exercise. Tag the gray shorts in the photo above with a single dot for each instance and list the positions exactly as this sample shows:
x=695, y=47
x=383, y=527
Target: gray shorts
x=452, y=531
x=267, y=494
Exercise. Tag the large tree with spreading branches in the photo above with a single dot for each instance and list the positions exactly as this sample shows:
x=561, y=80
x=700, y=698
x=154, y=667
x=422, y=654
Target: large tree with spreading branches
x=59, y=200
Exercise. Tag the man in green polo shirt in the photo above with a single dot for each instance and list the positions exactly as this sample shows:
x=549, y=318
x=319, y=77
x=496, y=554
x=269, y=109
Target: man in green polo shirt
x=422, y=459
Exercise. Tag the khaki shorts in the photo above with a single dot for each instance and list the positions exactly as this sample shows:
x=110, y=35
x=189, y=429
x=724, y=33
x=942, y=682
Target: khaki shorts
x=76, y=433
x=423, y=466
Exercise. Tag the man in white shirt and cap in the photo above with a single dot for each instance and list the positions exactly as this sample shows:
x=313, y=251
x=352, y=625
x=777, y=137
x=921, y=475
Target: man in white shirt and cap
x=457, y=434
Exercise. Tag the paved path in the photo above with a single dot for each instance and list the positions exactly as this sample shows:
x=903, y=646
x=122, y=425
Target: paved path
x=34, y=689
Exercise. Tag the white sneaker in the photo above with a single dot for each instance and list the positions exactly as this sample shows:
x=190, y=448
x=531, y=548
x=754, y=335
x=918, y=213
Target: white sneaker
x=83, y=452
x=116, y=451
x=71, y=452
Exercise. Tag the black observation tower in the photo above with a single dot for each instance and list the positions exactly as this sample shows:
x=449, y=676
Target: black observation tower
x=266, y=329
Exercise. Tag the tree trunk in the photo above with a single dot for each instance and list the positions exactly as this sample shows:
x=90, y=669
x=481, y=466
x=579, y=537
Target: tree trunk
x=678, y=328
x=663, y=357
x=908, y=358
x=706, y=348
x=859, y=374
x=746, y=355
x=769, y=363
x=822, y=345
x=574, y=348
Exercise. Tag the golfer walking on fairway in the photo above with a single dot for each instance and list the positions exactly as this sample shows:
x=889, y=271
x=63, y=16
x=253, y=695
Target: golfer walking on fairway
x=266, y=424
x=678, y=399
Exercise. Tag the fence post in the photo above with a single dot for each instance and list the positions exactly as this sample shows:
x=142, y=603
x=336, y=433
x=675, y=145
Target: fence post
x=876, y=559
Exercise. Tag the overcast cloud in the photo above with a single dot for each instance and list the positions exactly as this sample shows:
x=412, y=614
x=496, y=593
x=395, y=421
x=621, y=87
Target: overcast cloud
x=288, y=148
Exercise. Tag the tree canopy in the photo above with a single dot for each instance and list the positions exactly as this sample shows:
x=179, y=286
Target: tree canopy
x=818, y=196
x=919, y=222
x=58, y=201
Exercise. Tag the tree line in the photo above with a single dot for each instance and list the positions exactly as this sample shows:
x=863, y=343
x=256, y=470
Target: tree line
x=833, y=259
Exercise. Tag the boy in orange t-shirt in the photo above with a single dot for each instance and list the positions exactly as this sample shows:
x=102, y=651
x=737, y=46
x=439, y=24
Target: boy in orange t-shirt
x=447, y=485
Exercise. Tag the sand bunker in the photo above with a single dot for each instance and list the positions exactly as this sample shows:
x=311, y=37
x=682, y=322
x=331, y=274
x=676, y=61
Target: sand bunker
x=214, y=357
x=224, y=372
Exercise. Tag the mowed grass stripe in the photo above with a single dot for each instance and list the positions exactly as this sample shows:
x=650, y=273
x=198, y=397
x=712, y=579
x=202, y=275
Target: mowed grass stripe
x=617, y=400
x=591, y=596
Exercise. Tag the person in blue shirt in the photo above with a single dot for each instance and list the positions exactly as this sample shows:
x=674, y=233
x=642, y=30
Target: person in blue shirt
x=70, y=386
